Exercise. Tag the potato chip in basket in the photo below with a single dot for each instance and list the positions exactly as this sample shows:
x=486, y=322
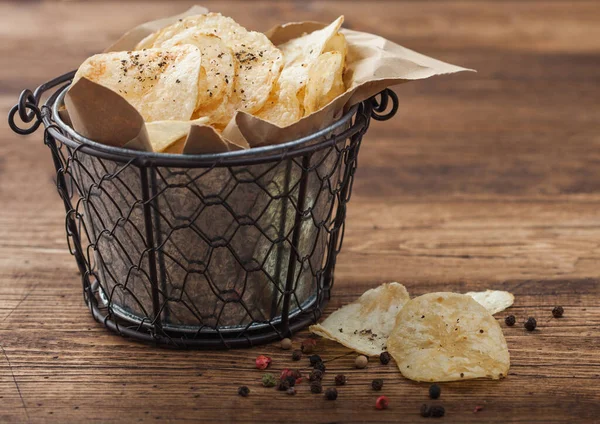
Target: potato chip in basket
x=446, y=337
x=364, y=325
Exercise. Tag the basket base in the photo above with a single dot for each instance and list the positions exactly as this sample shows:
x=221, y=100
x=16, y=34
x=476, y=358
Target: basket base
x=170, y=336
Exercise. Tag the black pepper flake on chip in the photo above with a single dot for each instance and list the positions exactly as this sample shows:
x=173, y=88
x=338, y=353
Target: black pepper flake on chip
x=177, y=81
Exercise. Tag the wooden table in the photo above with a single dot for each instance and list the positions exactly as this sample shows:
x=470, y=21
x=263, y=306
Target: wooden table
x=487, y=180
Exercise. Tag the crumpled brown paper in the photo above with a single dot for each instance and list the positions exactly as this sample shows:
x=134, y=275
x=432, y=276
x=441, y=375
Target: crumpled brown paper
x=373, y=64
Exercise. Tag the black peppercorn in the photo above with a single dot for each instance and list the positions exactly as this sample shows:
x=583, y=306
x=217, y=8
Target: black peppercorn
x=314, y=359
x=384, y=358
x=340, y=380
x=320, y=366
x=283, y=385
x=437, y=411
x=558, y=311
x=243, y=391
x=377, y=384
x=530, y=324
x=291, y=381
x=315, y=375
x=331, y=394
x=425, y=411
x=510, y=320
x=316, y=387
x=435, y=391
x=296, y=355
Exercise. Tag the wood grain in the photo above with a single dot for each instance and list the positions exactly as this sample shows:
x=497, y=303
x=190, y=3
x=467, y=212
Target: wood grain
x=486, y=180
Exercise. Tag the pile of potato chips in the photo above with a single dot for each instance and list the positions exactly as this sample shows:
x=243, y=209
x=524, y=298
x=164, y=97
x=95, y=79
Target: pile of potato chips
x=201, y=69
x=433, y=337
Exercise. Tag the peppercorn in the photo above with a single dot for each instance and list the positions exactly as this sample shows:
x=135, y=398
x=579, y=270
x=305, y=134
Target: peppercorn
x=262, y=362
x=296, y=355
x=384, y=358
x=291, y=381
x=377, y=384
x=286, y=344
x=308, y=345
x=435, y=391
x=381, y=402
x=425, y=411
x=331, y=394
x=291, y=391
x=283, y=385
x=268, y=380
x=530, y=324
x=340, y=380
x=320, y=366
x=361, y=361
x=315, y=375
x=314, y=360
x=510, y=320
x=558, y=311
x=243, y=391
x=316, y=387
x=290, y=373
x=437, y=411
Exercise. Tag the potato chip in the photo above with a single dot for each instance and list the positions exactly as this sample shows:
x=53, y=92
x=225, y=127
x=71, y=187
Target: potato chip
x=325, y=81
x=493, y=300
x=447, y=337
x=161, y=84
x=256, y=66
x=364, y=325
x=163, y=134
x=286, y=104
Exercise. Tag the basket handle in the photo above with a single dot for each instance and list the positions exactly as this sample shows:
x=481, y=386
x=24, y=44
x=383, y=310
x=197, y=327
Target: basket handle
x=379, y=106
x=28, y=105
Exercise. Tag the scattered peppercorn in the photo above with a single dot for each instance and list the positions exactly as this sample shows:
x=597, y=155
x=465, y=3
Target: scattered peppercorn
x=435, y=391
x=316, y=387
x=384, y=358
x=331, y=394
x=262, y=362
x=283, y=385
x=437, y=411
x=286, y=344
x=291, y=391
x=361, y=361
x=320, y=366
x=558, y=311
x=425, y=411
x=296, y=355
x=340, y=380
x=477, y=409
x=291, y=381
x=377, y=384
x=314, y=359
x=530, y=324
x=268, y=380
x=315, y=375
x=382, y=402
x=308, y=345
x=244, y=391
x=510, y=320
x=290, y=373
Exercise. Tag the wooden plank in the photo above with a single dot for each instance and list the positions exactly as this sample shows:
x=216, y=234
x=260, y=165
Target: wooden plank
x=487, y=180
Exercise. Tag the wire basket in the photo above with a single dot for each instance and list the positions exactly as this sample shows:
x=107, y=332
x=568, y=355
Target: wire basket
x=215, y=250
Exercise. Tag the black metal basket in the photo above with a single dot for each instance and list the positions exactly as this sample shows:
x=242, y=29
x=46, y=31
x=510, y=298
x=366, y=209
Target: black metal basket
x=215, y=250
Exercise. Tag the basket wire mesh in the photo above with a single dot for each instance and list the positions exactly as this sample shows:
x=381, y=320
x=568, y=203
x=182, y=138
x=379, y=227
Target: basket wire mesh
x=223, y=250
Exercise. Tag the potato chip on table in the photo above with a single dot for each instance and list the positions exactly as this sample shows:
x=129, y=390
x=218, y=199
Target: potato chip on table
x=493, y=300
x=446, y=337
x=364, y=325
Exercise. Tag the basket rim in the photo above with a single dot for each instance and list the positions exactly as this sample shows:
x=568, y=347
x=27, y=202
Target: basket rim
x=253, y=155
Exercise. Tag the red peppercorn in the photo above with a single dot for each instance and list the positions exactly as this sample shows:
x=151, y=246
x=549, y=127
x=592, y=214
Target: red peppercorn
x=262, y=362
x=382, y=402
x=308, y=345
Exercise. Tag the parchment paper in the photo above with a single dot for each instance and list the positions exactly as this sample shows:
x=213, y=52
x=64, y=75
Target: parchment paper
x=373, y=64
